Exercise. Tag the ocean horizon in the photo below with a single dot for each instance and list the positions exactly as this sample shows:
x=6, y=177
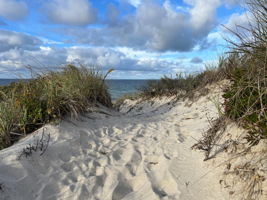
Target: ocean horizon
x=117, y=87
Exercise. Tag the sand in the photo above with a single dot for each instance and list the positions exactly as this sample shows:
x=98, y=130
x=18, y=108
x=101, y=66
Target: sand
x=141, y=153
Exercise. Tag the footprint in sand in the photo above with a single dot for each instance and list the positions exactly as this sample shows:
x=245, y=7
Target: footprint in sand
x=162, y=181
x=122, y=189
x=72, y=187
x=134, y=163
x=84, y=193
x=181, y=138
x=67, y=167
x=98, y=186
x=72, y=177
x=64, y=157
x=84, y=139
x=121, y=155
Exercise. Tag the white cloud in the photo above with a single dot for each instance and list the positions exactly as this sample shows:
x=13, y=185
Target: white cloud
x=237, y=21
x=135, y=3
x=71, y=12
x=105, y=58
x=203, y=13
x=10, y=40
x=239, y=25
x=137, y=54
x=126, y=59
x=13, y=10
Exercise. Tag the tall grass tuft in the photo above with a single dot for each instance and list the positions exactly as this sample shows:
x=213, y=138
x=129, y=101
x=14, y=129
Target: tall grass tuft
x=8, y=115
x=246, y=98
x=26, y=106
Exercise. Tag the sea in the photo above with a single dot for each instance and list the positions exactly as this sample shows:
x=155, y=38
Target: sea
x=117, y=88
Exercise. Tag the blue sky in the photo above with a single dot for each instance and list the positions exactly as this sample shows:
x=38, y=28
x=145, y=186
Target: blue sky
x=138, y=38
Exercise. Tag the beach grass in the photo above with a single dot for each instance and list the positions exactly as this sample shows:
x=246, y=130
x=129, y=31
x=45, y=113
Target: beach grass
x=246, y=98
x=185, y=85
x=27, y=105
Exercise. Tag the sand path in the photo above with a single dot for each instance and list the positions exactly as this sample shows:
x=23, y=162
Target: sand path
x=141, y=153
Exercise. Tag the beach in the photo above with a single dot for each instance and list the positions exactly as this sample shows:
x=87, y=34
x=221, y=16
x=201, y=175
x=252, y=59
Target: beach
x=142, y=152
x=133, y=100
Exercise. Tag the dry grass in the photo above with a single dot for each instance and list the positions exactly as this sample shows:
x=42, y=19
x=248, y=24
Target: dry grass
x=211, y=138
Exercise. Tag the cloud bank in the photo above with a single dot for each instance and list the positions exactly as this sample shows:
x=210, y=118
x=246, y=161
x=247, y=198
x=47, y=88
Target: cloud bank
x=154, y=27
x=103, y=58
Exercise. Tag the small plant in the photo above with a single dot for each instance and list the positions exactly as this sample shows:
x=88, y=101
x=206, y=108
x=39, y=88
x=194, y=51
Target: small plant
x=40, y=145
x=210, y=139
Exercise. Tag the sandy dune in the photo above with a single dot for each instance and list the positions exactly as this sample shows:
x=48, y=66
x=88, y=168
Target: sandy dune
x=141, y=153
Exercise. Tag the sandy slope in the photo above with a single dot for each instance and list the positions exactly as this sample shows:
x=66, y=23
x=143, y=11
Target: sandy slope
x=142, y=153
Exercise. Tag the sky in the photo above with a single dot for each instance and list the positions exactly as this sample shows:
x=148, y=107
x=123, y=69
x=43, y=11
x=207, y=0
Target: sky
x=139, y=39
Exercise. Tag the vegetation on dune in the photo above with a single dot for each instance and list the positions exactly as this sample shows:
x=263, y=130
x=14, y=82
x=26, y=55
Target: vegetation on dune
x=246, y=104
x=245, y=66
x=246, y=98
x=183, y=85
x=26, y=106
